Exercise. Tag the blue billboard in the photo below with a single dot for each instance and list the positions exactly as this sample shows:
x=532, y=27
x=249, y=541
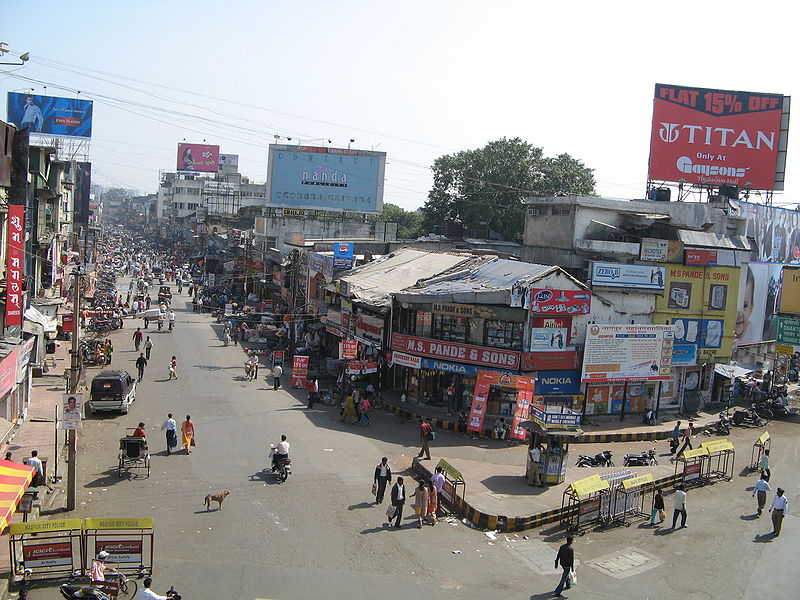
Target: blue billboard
x=50, y=115
x=336, y=179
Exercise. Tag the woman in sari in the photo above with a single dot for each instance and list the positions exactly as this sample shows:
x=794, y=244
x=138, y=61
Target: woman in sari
x=432, y=503
x=420, y=502
x=187, y=429
x=349, y=410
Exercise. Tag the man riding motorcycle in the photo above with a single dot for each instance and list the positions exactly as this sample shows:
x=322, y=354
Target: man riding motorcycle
x=281, y=453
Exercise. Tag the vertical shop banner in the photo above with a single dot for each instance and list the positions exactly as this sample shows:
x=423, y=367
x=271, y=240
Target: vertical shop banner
x=72, y=410
x=15, y=264
x=277, y=357
x=299, y=371
x=348, y=349
x=524, y=398
x=477, y=412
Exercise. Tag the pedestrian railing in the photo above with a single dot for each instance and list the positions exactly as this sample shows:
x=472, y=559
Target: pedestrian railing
x=582, y=503
x=720, y=461
x=691, y=466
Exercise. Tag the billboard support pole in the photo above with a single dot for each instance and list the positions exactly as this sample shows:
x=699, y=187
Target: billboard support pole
x=624, y=400
x=658, y=399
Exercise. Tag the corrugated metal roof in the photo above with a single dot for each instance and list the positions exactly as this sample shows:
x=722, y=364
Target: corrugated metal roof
x=713, y=240
x=374, y=282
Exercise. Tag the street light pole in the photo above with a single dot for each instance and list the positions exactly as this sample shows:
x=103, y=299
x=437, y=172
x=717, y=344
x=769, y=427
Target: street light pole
x=74, y=377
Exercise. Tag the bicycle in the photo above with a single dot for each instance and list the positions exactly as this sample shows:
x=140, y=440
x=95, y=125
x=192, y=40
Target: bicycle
x=116, y=585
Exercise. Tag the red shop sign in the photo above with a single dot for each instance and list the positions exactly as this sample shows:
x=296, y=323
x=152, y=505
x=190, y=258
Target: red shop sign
x=550, y=361
x=545, y=301
x=702, y=258
x=452, y=351
x=15, y=264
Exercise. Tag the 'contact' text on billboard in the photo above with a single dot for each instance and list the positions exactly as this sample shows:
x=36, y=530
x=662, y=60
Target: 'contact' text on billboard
x=51, y=115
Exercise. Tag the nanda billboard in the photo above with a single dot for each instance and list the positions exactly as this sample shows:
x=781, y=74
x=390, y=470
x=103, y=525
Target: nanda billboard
x=50, y=115
x=198, y=157
x=716, y=137
x=326, y=178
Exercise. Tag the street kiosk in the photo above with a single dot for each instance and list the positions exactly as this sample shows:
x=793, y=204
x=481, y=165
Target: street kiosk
x=582, y=502
x=691, y=465
x=555, y=454
x=762, y=444
x=634, y=497
x=721, y=456
x=454, y=485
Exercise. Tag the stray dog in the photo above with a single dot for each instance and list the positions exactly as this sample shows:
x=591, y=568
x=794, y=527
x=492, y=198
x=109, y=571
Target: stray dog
x=216, y=498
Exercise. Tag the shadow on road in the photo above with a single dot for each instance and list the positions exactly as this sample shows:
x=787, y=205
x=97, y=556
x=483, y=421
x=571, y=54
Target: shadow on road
x=376, y=529
x=664, y=531
x=361, y=505
x=509, y=484
x=109, y=478
x=265, y=476
x=764, y=538
x=748, y=517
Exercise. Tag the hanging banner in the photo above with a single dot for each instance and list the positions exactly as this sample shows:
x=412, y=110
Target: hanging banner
x=71, y=411
x=406, y=360
x=478, y=410
x=361, y=367
x=348, y=349
x=277, y=357
x=299, y=371
x=521, y=411
x=486, y=379
x=15, y=264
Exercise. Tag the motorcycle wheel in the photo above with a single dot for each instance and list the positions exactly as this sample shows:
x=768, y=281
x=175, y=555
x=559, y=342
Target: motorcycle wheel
x=766, y=414
x=284, y=475
x=759, y=422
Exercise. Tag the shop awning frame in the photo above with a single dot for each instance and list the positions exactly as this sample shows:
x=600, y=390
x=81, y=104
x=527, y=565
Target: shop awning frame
x=14, y=480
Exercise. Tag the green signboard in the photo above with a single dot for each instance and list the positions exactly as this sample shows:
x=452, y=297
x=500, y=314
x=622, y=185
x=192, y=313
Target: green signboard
x=789, y=331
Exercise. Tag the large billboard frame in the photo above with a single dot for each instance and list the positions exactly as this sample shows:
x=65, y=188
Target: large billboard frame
x=51, y=115
x=711, y=137
x=319, y=203
x=197, y=158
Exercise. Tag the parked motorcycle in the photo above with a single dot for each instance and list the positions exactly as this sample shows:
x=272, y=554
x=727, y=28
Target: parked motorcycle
x=763, y=410
x=598, y=460
x=645, y=459
x=747, y=416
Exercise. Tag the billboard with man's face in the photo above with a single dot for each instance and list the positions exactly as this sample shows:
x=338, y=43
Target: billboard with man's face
x=51, y=115
x=716, y=137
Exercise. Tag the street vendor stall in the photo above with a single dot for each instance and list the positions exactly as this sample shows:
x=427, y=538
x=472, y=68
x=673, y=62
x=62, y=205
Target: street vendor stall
x=555, y=454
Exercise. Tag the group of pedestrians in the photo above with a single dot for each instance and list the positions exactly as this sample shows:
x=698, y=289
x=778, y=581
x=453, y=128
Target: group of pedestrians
x=426, y=496
x=170, y=427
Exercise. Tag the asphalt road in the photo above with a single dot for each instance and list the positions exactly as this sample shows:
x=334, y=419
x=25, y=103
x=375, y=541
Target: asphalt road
x=318, y=535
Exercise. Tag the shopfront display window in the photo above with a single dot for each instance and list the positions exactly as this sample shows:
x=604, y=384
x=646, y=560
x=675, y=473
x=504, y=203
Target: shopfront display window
x=450, y=329
x=422, y=323
x=502, y=334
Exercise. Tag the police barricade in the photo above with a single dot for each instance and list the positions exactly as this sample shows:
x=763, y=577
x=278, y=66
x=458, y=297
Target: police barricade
x=721, y=456
x=581, y=504
x=691, y=466
x=632, y=496
x=454, y=486
x=44, y=549
x=129, y=543
x=762, y=444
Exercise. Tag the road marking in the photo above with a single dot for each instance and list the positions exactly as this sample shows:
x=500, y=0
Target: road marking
x=626, y=562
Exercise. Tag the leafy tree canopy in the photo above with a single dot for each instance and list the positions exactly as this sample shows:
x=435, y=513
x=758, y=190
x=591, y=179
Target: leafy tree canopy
x=486, y=186
x=409, y=223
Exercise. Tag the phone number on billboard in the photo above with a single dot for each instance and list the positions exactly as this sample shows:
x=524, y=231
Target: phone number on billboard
x=324, y=197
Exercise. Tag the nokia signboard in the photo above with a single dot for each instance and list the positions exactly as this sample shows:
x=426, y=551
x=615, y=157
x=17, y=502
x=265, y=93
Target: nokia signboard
x=334, y=179
x=718, y=137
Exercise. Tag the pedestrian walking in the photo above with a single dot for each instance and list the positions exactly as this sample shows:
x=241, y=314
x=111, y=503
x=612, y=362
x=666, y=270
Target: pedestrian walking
x=679, y=507
x=38, y=475
x=778, y=508
x=148, y=347
x=674, y=441
x=187, y=433
x=534, y=477
x=137, y=338
x=312, y=387
x=565, y=558
x=438, y=483
x=687, y=439
x=349, y=410
x=383, y=475
x=760, y=490
x=658, y=509
x=173, y=368
x=451, y=398
x=364, y=408
x=763, y=464
x=398, y=498
x=277, y=371
x=170, y=427
x=420, y=502
x=141, y=363
x=235, y=335
x=433, y=503
x=425, y=436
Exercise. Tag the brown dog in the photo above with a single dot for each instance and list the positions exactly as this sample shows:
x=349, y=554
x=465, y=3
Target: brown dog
x=216, y=498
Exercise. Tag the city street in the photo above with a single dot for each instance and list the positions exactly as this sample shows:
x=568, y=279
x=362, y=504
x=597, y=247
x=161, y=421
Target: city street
x=319, y=536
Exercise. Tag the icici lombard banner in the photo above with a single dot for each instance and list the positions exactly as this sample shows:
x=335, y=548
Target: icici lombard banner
x=464, y=353
x=715, y=137
x=15, y=264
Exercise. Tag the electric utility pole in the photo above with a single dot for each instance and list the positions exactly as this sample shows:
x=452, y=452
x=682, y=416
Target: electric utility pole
x=74, y=379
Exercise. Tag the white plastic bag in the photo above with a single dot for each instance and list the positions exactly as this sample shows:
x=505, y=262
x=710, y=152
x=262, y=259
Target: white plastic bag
x=573, y=577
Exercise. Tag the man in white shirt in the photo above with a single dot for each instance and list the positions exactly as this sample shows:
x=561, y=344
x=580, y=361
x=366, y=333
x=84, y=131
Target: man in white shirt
x=534, y=478
x=438, y=483
x=680, y=507
x=779, y=508
x=36, y=462
x=761, y=488
x=277, y=371
x=147, y=594
x=171, y=319
x=281, y=452
x=170, y=426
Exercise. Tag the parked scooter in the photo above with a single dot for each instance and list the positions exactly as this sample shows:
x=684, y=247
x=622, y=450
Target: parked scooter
x=645, y=459
x=598, y=460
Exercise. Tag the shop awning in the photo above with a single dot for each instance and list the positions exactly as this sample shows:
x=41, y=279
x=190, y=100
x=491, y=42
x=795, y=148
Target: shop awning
x=731, y=371
x=14, y=480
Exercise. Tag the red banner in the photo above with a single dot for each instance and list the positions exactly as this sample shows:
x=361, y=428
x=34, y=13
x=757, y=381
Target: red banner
x=66, y=323
x=486, y=379
x=478, y=409
x=702, y=258
x=550, y=361
x=277, y=357
x=299, y=371
x=715, y=137
x=15, y=264
x=521, y=411
x=361, y=367
x=453, y=351
x=545, y=301
x=348, y=349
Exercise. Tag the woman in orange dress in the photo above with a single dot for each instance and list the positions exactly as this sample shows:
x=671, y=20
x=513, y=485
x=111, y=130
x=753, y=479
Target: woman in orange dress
x=432, y=503
x=187, y=429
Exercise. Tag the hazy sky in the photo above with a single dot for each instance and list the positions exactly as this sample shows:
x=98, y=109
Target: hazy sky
x=414, y=79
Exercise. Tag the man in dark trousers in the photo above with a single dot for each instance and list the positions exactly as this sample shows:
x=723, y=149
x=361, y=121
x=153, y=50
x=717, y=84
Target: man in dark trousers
x=566, y=558
x=425, y=431
x=383, y=475
x=137, y=338
x=141, y=363
x=398, y=500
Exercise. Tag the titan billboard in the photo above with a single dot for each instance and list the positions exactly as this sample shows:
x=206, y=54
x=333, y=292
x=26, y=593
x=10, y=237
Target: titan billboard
x=335, y=179
x=202, y=158
x=51, y=115
x=718, y=137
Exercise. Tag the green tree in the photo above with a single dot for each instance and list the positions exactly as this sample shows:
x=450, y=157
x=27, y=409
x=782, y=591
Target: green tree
x=409, y=223
x=486, y=186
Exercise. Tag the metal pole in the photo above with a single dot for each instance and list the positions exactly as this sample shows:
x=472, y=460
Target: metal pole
x=658, y=399
x=55, y=444
x=72, y=471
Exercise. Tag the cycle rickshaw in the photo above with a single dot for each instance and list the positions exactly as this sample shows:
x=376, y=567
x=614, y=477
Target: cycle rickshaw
x=133, y=456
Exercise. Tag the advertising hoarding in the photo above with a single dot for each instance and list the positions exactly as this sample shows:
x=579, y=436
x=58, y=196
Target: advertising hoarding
x=69, y=117
x=560, y=302
x=15, y=264
x=627, y=352
x=655, y=250
x=228, y=160
x=700, y=258
x=759, y=301
x=71, y=411
x=83, y=186
x=684, y=355
x=343, y=254
x=548, y=339
x=699, y=301
x=406, y=360
x=790, y=290
x=368, y=329
x=562, y=383
x=466, y=353
x=618, y=275
x=326, y=178
x=716, y=137
x=299, y=371
x=548, y=361
x=776, y=231
x=50, y=554
x=203, y=158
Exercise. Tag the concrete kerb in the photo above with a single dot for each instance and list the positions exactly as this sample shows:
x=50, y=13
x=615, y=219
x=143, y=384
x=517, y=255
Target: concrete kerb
x=586, y=438
x=506, y=524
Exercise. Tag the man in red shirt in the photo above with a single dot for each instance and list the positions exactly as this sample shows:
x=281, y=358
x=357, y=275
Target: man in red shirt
x=425, y=435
